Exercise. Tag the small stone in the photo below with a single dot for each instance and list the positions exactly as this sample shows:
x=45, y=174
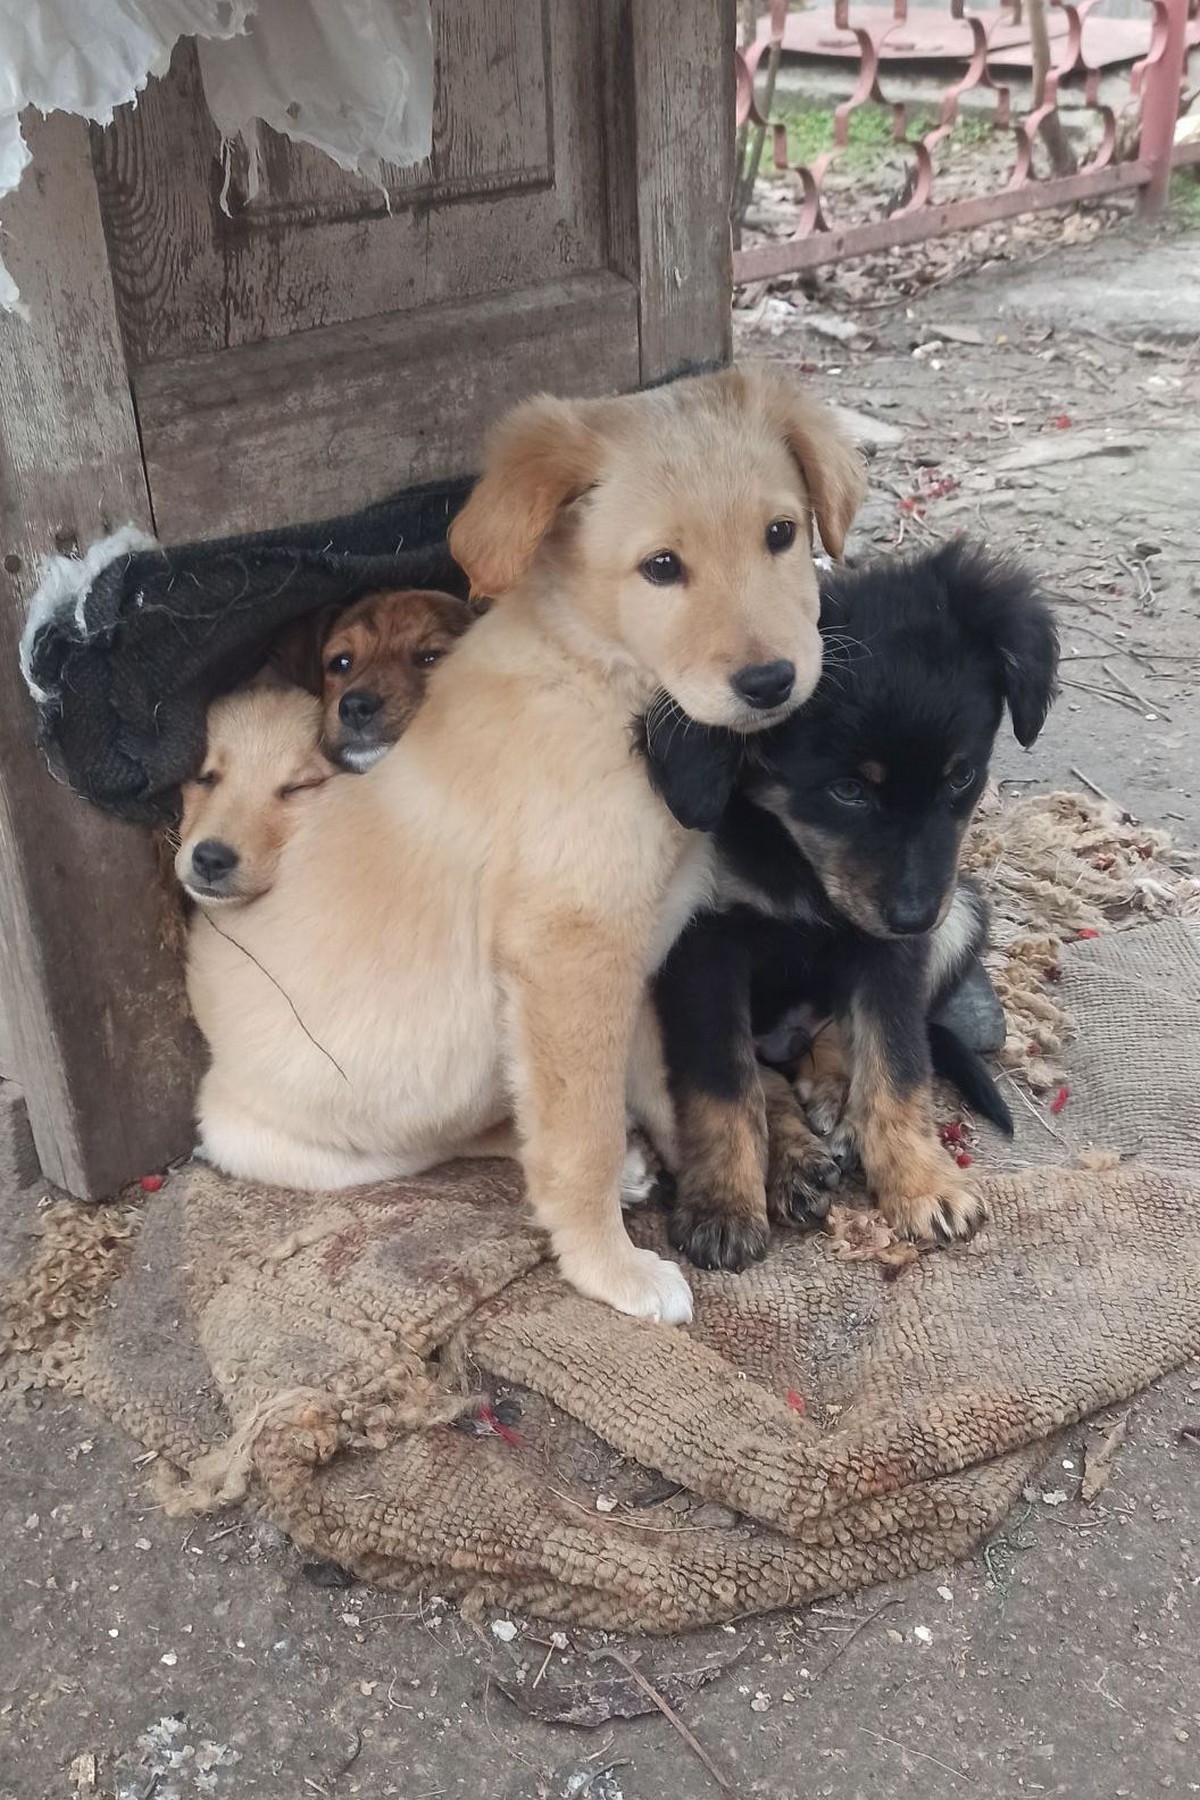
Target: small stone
x=946, y=1593
x=606, y=1503
x=894, y=1636
x=1055, y=1498
x=142, y=1544
x=504, y=1629
x=923, y=1634
x=168, y=1659
x=113, y=1632
x=788, y=1695
x=32, y=1522
x=760, y=1702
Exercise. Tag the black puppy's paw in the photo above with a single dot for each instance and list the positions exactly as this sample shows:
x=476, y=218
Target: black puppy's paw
x=718, y=1237
x=800, y=1182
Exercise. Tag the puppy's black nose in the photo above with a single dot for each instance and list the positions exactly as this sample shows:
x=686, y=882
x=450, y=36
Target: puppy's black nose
x=765, y=684
x=911, y=915
x=357, y=708
x=212, y=861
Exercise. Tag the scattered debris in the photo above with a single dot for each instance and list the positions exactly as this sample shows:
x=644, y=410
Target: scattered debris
x=327, y=1575
x=860, y=1234
x=593, y=1699
x=504, y=1629
x=1040, y=452
x=1098, y=1460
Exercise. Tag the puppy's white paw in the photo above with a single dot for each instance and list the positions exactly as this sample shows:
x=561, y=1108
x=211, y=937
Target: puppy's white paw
x=641, y=1283
x=638, y=1176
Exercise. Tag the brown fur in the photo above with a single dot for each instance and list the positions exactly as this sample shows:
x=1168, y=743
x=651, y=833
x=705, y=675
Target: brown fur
x=466, y=930
x=916, y=1187
x=720, y=1206
x=800, y=1170
x=390, y=642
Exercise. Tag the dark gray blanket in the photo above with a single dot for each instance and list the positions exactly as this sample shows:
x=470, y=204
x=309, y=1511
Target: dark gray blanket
x=124, y=678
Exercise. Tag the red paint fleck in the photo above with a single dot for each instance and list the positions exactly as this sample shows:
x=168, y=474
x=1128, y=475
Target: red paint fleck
x=150, y=1184
x=1060, y=1099
x=964, y=1160
x=1062, y=422
x=952, y=1132
x=488, y=1418
x=796, y=1401
x=1086, y=931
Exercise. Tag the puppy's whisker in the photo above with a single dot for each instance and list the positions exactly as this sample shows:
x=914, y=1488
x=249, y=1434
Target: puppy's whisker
x=276, y=984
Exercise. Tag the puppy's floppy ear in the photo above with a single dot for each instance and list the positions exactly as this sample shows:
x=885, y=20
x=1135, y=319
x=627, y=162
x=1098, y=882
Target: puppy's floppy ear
x=833, y=470
x=295, y=656
x=692, y=768
x=544, y=453
x=999, y=604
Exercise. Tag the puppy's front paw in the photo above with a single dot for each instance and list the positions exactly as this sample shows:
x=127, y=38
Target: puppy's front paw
x=643, y=1174
x=714, y=1236
x=637, y=1282
x=799, y=1181
x=942, y=1209
x=824, y=1101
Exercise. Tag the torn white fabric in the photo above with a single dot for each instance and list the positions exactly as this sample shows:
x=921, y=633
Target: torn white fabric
x=353, y=77
x=65, y=585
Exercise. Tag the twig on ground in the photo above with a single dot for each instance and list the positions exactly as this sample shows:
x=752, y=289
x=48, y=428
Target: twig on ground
x=908, y=1750
x=850, y=1636
x=672, y=1717
x=1095, y=788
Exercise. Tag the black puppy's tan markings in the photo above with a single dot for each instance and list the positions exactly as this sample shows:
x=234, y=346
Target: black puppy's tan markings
x=839, y=835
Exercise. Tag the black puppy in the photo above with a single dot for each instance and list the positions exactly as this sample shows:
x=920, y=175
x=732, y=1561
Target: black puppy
x=838, y=835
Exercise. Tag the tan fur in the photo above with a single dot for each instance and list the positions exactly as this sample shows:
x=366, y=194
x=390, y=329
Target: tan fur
x=261, y=768
x=916, y=1187
x=800, y=1170
x=823, y=1078
x=467, y=929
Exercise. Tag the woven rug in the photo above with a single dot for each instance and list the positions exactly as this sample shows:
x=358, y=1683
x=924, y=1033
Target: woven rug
x=400, y=1379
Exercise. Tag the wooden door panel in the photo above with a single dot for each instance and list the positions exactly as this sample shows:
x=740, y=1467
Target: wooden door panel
x=513, y=194
x=320, y=424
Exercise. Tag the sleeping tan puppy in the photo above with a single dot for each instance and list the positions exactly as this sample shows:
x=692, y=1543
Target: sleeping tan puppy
x=261, y=765
x=466, y=930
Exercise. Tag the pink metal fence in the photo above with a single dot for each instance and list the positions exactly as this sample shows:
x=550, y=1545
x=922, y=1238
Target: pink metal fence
x=1155, y=88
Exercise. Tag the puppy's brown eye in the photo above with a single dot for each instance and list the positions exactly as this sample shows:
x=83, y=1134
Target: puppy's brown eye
x=848, y=793
x=292, y=788
x=781, y=535
x=425, y=659
x=663, y=568
x=207, y=779
x=339, y=664
x=960, y=779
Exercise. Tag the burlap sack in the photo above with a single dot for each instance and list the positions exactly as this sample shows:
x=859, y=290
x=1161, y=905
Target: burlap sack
x=326, y=1356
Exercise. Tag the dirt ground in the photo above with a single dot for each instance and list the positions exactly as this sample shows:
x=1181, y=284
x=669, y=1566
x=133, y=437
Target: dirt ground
x=141, y=1658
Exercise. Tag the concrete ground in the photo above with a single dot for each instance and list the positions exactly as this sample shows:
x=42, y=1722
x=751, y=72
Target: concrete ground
x=140, y=1657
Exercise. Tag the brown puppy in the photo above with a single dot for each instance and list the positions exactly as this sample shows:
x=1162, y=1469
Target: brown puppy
x=262, y=763
x=369, y=663
x=375, y=664
x=466, y=930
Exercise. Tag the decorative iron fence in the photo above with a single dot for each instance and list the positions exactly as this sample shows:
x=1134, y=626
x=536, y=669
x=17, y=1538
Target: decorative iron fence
x=1133, y=144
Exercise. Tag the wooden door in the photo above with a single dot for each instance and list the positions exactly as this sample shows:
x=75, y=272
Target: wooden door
x=201, y=361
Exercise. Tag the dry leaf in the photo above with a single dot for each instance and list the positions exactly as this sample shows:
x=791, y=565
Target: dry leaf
x=860, y=1235
x=595, y=1699
x=1098, y=1159
x=1098, y=1460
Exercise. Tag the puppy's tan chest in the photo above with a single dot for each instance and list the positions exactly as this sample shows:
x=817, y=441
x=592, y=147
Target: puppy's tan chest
x=689, y=889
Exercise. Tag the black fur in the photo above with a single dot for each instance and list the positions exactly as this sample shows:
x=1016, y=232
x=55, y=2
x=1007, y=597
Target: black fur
x=829, y=892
